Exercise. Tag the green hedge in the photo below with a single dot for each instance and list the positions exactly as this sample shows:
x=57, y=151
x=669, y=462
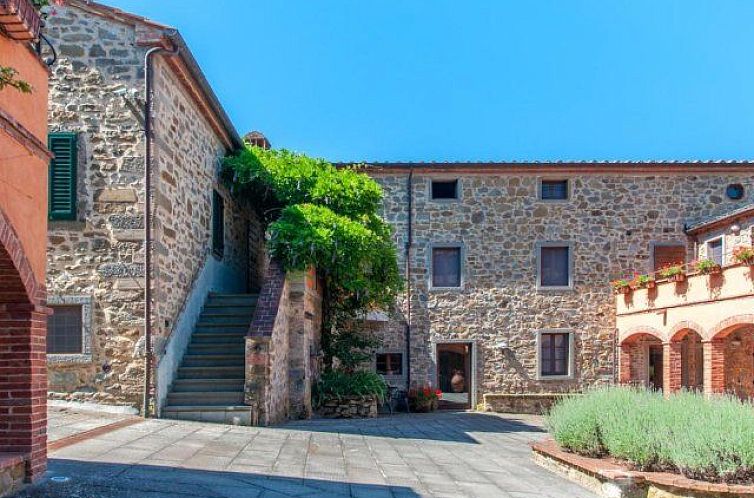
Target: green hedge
x=708, y=439
x=337, y=384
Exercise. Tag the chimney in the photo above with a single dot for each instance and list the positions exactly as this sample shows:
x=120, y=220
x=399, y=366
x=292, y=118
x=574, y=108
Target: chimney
x=256, y=139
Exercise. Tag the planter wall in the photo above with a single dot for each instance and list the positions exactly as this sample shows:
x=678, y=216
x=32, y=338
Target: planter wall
x=349, y=407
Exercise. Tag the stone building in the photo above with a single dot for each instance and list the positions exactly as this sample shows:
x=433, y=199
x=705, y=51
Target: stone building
x=23, y=233
x=203, y=239
x=508, y=297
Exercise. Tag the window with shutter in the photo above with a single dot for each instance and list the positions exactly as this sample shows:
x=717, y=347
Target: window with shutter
x=62, y=180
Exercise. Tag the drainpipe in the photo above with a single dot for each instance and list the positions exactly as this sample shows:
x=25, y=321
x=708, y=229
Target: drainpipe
x=409, y=242
x=148, y=136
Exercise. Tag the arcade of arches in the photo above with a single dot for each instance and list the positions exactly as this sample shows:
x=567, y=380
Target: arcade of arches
x=718, y=360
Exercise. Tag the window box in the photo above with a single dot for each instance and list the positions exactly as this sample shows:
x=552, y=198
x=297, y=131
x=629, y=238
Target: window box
x=20, y=19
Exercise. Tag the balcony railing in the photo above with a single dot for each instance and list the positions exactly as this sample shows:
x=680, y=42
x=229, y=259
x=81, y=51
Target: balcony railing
x=20, y=19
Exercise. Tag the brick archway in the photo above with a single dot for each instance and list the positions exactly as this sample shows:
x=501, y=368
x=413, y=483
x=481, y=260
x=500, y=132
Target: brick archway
x=684, y=357
x=23, y=337
x=729, y=355
x=638, y=358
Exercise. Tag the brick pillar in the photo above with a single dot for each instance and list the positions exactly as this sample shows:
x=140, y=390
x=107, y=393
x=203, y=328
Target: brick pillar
x=714, y=367
x=625, y=364
x=23, y=384
x=671, y=366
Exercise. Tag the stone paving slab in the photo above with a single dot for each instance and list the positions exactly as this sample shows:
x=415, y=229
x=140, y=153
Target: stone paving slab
x=66, y=422
x=408, y=456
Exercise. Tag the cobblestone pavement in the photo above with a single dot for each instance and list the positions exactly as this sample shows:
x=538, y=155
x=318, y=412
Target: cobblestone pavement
x=65, y=422
x=434, y=455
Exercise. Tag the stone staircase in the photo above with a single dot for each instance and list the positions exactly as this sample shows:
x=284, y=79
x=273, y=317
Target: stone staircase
x=209, y=384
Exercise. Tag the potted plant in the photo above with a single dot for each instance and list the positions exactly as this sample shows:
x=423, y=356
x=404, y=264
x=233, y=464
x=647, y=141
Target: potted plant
x=424, y=399
x=673, y=272
x=642, y=281
x=744, y=255
x=707, y=267
x=621, y=286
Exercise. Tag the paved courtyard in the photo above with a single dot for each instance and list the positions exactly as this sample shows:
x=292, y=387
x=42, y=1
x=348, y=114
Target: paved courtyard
x=434, y=455
x=66, y=422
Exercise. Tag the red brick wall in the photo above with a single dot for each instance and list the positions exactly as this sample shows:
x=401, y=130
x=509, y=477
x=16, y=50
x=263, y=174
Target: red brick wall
x=23, y=369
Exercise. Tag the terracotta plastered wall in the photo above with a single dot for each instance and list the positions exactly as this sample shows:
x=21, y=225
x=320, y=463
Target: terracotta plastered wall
x=610, y=219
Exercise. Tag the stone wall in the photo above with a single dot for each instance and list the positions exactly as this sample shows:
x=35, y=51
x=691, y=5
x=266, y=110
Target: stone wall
x=282, y=360
x=12, y=472
x=611, y=219
x=101, y=254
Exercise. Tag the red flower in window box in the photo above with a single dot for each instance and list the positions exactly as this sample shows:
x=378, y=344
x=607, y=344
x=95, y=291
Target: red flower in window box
x=424, y=399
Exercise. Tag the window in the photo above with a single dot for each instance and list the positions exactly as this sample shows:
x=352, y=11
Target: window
x=62, y=176
x=390, y=363
x=218, y=224
x=735, y=191
x=715, y=251
x=65, y=330
x=554, y=266
x=446, y=267
x=444, y=189
x=553, y=190
x=554, y=354
x=668, y=254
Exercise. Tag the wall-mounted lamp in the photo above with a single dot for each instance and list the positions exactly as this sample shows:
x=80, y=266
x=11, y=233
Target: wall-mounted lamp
x=735, y=229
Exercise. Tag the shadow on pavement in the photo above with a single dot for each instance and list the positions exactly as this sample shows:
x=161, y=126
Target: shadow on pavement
x=438, y=426
x=107, y=480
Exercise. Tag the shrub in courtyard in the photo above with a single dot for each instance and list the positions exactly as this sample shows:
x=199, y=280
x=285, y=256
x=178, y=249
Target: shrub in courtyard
x=709, y=439
x=337, y=384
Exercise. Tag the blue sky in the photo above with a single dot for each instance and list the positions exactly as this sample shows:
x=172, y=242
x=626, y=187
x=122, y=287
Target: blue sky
x=438, y=80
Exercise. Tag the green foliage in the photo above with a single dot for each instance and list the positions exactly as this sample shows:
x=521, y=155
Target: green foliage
x=8, y=79
x=325, y=217
x=336, y=384
x=702, y=438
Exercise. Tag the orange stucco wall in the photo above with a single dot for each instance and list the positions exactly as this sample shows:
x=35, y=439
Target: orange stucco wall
x=23, y=174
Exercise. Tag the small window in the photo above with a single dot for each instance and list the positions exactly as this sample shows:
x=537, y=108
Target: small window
x=218, y=225
x=390, y=363
x=446, y=267
x=668, y=255
x=554, y=190
x=554, y=354
x=444, y=189
x=715, y=251
x=735, y=191
x=555, y=266
x=65, y=330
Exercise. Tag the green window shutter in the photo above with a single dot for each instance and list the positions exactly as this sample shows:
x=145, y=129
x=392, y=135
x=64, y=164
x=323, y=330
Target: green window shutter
x=62, y=182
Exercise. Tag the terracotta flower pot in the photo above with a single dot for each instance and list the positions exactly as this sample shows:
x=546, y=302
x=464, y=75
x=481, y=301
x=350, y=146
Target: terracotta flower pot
x=680, y=277
x=458, y=382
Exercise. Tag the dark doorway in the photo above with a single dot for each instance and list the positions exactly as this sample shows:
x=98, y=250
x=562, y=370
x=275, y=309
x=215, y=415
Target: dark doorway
x=655, y=367
x=454, y=375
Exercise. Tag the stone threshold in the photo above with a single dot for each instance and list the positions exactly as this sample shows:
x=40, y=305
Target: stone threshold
x=92, y=433
x=612, y=480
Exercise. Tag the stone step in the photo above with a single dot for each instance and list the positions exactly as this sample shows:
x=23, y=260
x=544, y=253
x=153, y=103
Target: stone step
x=224, y=318
x=212, y=398
x=203, y=385
x=213, y=360
x=230, y=372
x=217, y=338
x=219, y=309
x=212, y=348
x=232, y=414
x=232, y=299
x=240, y=327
